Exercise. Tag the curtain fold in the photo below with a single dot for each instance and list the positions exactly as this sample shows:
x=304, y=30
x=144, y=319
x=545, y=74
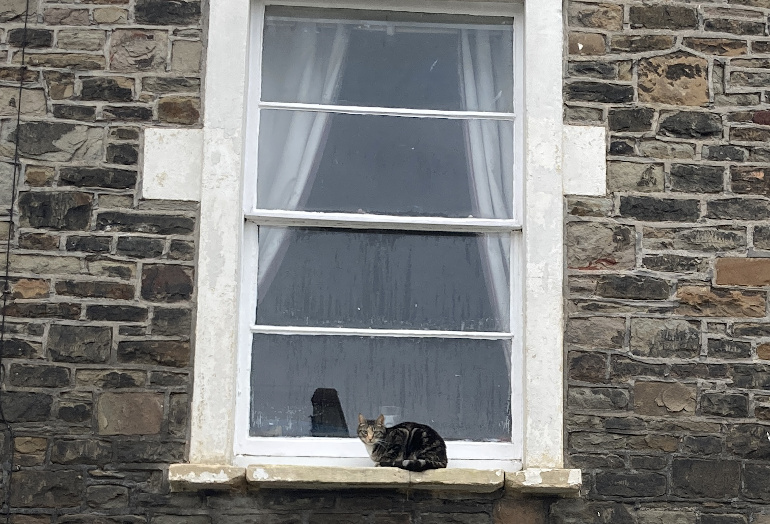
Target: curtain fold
x=313, y=71
x=489, y=148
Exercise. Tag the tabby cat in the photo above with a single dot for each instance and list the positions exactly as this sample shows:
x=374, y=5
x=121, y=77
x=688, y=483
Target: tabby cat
x=409, y=445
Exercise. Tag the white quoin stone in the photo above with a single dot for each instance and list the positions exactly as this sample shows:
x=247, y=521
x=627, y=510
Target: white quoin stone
x=584, y=161
x=172, y=164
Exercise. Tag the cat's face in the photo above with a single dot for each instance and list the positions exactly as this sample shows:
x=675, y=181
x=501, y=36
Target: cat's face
x=371, y=431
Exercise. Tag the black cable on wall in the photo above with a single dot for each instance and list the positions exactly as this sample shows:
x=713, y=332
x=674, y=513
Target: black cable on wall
x=6, y=291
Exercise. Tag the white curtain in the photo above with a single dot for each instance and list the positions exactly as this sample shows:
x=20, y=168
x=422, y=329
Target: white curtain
x=312, y=73
x=489, y=146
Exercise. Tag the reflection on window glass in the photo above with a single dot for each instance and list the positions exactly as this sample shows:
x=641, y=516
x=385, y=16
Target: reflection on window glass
x=460, y=387
x=383, y=279
x=385, y=164
x=415, y=61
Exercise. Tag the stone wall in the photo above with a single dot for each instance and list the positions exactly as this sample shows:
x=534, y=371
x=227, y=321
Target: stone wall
x=668, y=370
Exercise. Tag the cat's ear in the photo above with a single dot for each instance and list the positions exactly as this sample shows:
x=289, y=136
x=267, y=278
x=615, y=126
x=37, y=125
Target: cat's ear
x=381, y=420
x=361, y=419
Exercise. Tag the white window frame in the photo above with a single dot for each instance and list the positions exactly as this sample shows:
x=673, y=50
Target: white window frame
x=215, y=419
x=349, y=451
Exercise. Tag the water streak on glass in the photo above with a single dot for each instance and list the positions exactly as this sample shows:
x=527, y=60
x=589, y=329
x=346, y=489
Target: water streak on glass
x=383, y=279
x=460, y=387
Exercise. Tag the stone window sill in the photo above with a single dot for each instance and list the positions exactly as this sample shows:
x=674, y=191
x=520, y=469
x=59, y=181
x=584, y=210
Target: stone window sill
x=191, y=477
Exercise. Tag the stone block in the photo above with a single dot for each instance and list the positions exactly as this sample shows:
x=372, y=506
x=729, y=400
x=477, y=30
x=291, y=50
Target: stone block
x=593, y=69
x=74, y=112
x=155, y=352
x=599, y=92
x=632, y=485
x=102, y=177
x=186, y=56
x=130, y=413
x=30, y=451
x=596, y=332
x=600, y=399
x=172, y=322
x=107, y=497
x=666, y=516
x=61, y=310
x=641, y=43
x=702, y=445
x=32, y=102
x=59, y=210
x=167, y=283
x=145, y=223
x=40, y=264
x=653, y=209
x=181, y=250
x=71, y=61
x=61, y=85
x=54, y=141
x=88, y=244
x=79, y=343
x=725, y=404
x=13, y=10
x=170, y=84
x=663, y=17
x=140, y=247
x=755, y=376
x=159, y=12
x=587, y=44
x=664, y=399
x=39, y=176
x=761, y=118
x=20, y=406
x=110, y=15
x=675, y=263
x=107, y=89
x=756, y=480
x=37, y=376
x=63, y=16
x=753, y=180
x=736, y=27
x=134, y=113
x=123, y=154
x=678, y=79
x=728, y=348
x=80, y=40
x=117, y=313
x=46, y=489
x=623, y=368
x=39, y=242
x=711, y=479
x=750, y=134
x=588, y=367
x=139, y=50
x=599, y=16
x=91, y=289
x=633, y=287
x=691, y=124
x=110, y=379
x=111, y=268
x=30, y=288
x=592, y=245
x=738, y=209
x=697, y=178
x=634, y=176
x=80, y=451
x=717, y=46
x=742, y=271
x=724, y=153
x=665, y=338
x=179, y=110
x=133, y=451
x=710, y=302
x=75, y=412
x=631, y=119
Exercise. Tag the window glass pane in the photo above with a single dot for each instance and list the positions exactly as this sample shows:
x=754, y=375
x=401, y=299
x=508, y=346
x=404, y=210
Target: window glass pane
x=383, y=279
x=459, y=387
x=411, y=61
x=384, y=164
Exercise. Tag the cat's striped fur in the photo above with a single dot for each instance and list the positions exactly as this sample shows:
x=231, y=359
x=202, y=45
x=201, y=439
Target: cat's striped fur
x=408, y=445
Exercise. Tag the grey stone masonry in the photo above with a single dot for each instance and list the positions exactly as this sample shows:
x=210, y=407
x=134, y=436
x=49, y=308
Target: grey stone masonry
x=668, y=348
